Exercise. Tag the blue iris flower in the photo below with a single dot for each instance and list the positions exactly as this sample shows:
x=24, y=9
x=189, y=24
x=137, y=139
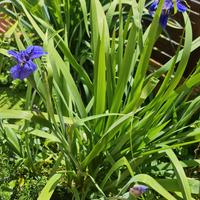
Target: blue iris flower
x=25, y=66
x=166, y=10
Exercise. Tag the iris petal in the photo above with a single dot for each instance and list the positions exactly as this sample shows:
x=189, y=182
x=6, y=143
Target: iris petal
x=181, y=7
x=15, y=71
x=168, y=5
x=35, y=52
x=142, y=188
x=13, y=53
x=27, y=70
x=163, y=20
x=32, y=65
x=153, y=7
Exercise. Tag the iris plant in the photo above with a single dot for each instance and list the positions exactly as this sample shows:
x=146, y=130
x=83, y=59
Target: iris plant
x=166, y=9
x=25, y=66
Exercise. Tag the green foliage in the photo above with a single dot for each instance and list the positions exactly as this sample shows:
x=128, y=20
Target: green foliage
x=96, y=120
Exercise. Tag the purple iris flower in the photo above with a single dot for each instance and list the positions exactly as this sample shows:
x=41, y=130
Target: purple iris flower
x=25, y=66
x=138, y=190
x=166, y=10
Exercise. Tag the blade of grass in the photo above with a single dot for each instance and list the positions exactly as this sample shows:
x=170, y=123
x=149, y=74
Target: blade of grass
x=84, y=10
x=49, y=188
x=121, y=162
x=180, y=174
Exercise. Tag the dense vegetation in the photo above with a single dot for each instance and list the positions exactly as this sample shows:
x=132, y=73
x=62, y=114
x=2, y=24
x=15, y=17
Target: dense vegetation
x=96, y=118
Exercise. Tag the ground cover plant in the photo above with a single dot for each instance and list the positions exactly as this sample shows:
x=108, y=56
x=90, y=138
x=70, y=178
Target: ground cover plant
x=96, y=121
